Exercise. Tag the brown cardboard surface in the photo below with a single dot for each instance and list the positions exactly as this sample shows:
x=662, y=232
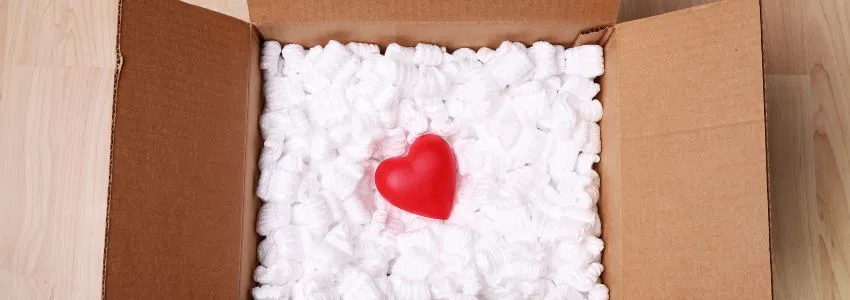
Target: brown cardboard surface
x=684, y=190
x=454, y=23
x=253, y=140
x=595, y=36
x=179, y=154
x=452, y=36
x=279, y=12
x=609, y=173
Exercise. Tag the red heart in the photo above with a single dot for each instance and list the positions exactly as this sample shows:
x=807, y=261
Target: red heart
x=423, y=182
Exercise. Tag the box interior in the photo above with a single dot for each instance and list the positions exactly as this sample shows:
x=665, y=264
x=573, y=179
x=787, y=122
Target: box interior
x=684, y=189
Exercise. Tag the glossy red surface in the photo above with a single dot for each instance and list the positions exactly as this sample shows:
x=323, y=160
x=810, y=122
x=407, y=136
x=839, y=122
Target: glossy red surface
x=424, y=181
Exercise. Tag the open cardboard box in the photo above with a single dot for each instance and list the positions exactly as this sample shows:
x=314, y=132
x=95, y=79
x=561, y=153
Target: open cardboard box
x=684, y=199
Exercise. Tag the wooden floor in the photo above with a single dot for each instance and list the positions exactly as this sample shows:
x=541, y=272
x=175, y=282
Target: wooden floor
x=56, y=67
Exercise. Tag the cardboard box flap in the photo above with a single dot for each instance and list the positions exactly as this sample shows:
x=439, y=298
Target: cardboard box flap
x=174, y=222
x=587, y=12
x=469, y=23
x=684, y=198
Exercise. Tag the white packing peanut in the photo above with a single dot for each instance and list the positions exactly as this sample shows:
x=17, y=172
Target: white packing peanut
x=270, y=59
x=580, y=87
x=272, y=217
x=585, y=61
x=598, y=292
x=356, y=285
x=317, y=287
x=428, y=55
x=293, y=59
x=400, y=53
x=282, y=273
x=414, y=265
x=270, y=292
x=363, y=50
x=410, y=290
x=394, y=143
x=522, y=123
x=543, y=55
x=280, y=246
x=510, y=66
x=484, y=54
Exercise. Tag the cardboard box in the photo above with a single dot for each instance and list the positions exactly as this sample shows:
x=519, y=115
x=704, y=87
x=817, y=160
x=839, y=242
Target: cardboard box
x=684, y=198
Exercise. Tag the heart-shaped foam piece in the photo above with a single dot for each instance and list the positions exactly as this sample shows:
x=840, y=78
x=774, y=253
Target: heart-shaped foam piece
x=424, y=181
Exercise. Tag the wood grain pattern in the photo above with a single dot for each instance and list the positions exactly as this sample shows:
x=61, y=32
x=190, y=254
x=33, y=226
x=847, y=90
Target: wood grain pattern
x=808, y=88
x=56, y=61
x=55, y=118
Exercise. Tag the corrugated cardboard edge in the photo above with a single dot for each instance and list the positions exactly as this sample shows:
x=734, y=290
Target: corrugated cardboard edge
x=119, y=62
x=609, y=170
x=767, y=150
x=594, y=36
x=253, y=147
x=610, y=218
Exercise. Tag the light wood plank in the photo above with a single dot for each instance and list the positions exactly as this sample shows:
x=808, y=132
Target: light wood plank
x=808, y=66
x=793, y=235
x=55, y=158
x=55, y=118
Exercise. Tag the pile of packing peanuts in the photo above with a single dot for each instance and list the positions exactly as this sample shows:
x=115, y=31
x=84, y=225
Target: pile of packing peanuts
x=523, y=124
